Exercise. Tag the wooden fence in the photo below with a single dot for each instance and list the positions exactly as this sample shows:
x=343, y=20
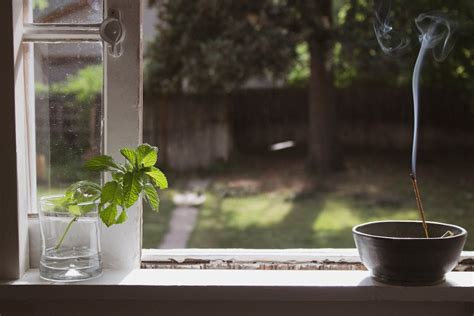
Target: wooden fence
x=192, y=132
x=195, y=131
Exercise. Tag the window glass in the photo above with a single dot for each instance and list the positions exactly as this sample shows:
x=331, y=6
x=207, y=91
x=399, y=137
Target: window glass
x=68, y=111
x=67, y=11
x=282, y=124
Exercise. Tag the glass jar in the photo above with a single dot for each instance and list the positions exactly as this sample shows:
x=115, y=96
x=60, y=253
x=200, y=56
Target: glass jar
x=70, y=240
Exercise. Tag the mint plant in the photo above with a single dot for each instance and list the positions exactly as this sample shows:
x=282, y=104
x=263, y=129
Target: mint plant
x=137, y=176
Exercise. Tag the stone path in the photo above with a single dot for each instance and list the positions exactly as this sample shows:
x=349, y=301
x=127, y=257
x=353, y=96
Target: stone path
x=181, y=226
x=184, y=216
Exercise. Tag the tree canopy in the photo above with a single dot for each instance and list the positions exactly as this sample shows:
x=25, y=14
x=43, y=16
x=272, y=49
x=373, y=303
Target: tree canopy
x=215, y=46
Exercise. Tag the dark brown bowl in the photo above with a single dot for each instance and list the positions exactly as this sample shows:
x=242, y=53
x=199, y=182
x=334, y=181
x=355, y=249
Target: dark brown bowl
x=396, y=252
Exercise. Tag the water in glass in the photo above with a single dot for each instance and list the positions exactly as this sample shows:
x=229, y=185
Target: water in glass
x=70, y=243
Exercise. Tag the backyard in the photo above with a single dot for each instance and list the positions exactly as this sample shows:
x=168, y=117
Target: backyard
x=226, y=80
x=270, y=201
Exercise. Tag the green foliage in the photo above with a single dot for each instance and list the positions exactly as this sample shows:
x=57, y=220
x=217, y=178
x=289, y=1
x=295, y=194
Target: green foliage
x=79, y=95
x=112, y=192
x=130, y=155
x=40, y=4
x=359, y=58
x=101, y=163
x=85, y=85
x=131, y=188
x=108, y=215
x=300, y=72
x=136, y=176
x=79, y=198
x=216, y=46
x=158, y=177
x=151, y=196
x=147, y=155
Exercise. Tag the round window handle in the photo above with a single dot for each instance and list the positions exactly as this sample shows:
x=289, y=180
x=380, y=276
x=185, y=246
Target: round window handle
x=112, y=32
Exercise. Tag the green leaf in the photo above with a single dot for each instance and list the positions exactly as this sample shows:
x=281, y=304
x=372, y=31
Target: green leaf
x=151, y=196
x=75, y=210
x=131, y=189
x=84, y=209
x=130, y=155
x=147, y=155
x=108, y=215
x=158, y=177
x=60, y=203
x=122, y=217
x=118, y=176
x=101, y=163
x=82, y=191
x=112, y=192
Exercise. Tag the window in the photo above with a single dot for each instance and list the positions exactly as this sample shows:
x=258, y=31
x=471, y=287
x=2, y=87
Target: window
x=67, y=80
x=228, y=102
x=68, y=111
x=232, y=125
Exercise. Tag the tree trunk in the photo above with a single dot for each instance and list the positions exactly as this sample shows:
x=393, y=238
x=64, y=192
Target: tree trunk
x=323, y=147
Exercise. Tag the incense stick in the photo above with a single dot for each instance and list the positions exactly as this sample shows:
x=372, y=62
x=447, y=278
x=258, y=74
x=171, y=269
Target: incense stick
x=448, y=234
x=419, y=204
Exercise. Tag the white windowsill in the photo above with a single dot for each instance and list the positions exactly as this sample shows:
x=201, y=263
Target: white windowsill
x=238, y=285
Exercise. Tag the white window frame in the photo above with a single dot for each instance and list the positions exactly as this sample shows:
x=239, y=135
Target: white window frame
x=121, y=244
x=14, y=225
x=123, y=84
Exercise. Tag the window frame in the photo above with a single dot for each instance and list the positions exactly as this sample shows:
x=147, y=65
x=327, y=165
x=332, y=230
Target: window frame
x=14, y=223
x=123, y=77
x=123, y=127
x=121, y=244
x=342, y=259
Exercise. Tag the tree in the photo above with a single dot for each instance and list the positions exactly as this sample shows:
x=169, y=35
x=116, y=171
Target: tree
x=215, y=46
x=210, y=45
x=360, y=59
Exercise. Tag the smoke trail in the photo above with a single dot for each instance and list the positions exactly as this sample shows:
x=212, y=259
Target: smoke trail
x=436, y=33
x=389, y=39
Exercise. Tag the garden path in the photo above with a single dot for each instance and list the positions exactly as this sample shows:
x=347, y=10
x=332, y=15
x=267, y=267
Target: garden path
x=184, y=215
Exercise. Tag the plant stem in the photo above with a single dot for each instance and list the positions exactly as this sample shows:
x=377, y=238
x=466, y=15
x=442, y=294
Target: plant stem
x=68, y=227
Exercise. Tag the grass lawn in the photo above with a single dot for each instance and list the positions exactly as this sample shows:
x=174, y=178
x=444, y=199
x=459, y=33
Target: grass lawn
x=256, y=204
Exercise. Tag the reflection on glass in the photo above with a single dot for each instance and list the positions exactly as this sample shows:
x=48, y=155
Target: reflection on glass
x=68, y=111
x=67, y=11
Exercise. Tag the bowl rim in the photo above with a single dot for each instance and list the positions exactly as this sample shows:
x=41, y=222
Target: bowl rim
x=356, y=232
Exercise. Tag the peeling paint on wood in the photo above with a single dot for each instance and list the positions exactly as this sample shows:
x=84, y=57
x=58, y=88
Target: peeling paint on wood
x=464, y=265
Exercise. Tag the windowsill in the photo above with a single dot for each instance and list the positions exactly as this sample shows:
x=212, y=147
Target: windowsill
x=238, y=285
x=267, y=259
x=349, y=255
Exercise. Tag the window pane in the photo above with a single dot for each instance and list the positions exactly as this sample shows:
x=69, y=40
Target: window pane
x=67, y=11
x=68, y=112
x=246, y=99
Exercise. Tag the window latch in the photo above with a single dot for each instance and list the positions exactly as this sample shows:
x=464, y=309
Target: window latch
x=112, y=32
